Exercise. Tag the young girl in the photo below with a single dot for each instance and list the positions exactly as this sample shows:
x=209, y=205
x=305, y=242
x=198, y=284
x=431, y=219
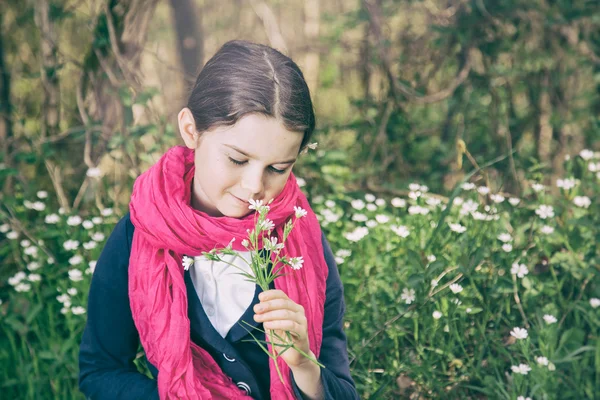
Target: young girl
x=248, y=118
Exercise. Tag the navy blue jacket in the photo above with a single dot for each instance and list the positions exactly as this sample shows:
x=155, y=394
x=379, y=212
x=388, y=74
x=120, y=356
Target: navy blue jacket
x=110, y=340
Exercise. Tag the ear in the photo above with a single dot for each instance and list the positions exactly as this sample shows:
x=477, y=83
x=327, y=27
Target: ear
x=187, y=128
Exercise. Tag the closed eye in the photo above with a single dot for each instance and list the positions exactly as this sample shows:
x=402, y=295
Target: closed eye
x=271, y=168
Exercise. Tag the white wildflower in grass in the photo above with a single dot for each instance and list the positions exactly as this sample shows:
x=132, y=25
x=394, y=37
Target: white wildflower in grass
x=90, y=245
x=380, y=202
x=519, y=270
x=318, y=199
x=414, y=187
x=457, y=301
x=4, y=228
x=468, y=207
x=423, y=188
x=33, y=266
x=71, y=244
x=74, y=220
x=467, y=186
x=434, y=283
x=31, y=251
x=566, y=184
x=330, y=204
x=64, y=310
x=87, y=224
x=456, y=288
x=23, y=287
x=514, y=201
x=343, y=253
x=50, y=260
x=414, y=195
x=595, y=302
x=52, y=218
x=483, y=190
x=61, y=210
x=546, y=230
x=12, y=235
x=551, y=367
x=538, y=187
x=28, y=205
x=370, y=198
x=413, y=210
x=72, y=291
x=97, y=220
x=371, y=207
x=107, y=212
x=401, y=230
x=542, y=361
x=433, y=201
x=38, y=206
x=586, y=154
x=371, y=223
x=301, y=182
x=457, y=228
x=594, y=167
x=437, y=315
x=398, y=202
x=382, y=218
x=431, y=258
x=296, y=262
x=271, y=244
x=504, y=237
x=92, y=265
x=34, y=277
x=519, y=333
x=255, y=204
x=78, y=310
x=523, y=398
x=75, y=275
x=357, y=204
x=549, y=319
x=42, y=194
x=98, y=236
x=93, y=172
x=357, y=234
x=408, y=295
x=458, y=201
x=522, y=369
x=338, y=260
x=497, y=198
x=25, y=243
x=300, y=212
x=75, y=260
x=545, y=211
x=187, y=262
x=359, y=217
x=582, y=201
x=330, y=216
x=18, y=277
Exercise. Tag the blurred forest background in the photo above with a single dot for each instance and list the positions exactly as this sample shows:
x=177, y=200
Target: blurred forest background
x=404, y=91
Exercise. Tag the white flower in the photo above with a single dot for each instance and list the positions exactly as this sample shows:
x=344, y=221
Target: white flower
x=52, y=218
x=414, y=187
x=338, y=260
x=408, y=295
x=75, y=275
x=431, y=258
x=330, y=203
x=98, y=236
x=519, y=270
x=61, y=210
x=300, y=212
x=266, y=225
x=90, y=245
x=457, y=228
x=546, y=230
x=538, y=187
x=50, y=260
x=433, y=201
x=541, y=360
x=33, y=266
x=4, y=228
x=519, y=333
x=271, y=244
x=359, y=217
x=414, y=195
x=42, y=194
x=357, y=234
x=25, y=243
x=582, y=201
x=456, y=288
x=551, y=367
x=594, y=167
x=418, y=210
x=371, y=207
x=550, y=319
x=106, y=212
x=369, y=197
x=468, y=206
x=595, y=302
x=382, y=219
x=94, y=172
x=92, y=265
x=78, y=310
x=34, y=277
x=371, y=223
x=23, y=287
x=586, y=154
x=398, y=202
x=497, y=198
x=401, y=230
x=296, y=262
x=504, y=237
x=18, y=277
x=245, y=243
x=28, y=204
x=467, y=186
x=39, y=206
x=380, y=202
x=87, y=224
x=522, y=369
x=312, y=146
x=301, y=182
x=71, y=244
x=72, y=291
x=97, y=220
x=357, y=204
x=63, y=298
x=64, y=310
x=468, y=310
x=514, y=201
x=31, y=251
x=566, y=184
x=507, y=247
x=483, y=190
x=545, y=211
x=434, y=283
x=76, y=259
x=343, y=253
x=523, y=398
x=12, y=235
x=187, y=262
x=74, y=220
x=437, y=315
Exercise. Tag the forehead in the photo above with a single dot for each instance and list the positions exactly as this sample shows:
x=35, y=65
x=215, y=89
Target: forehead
x=264, y=138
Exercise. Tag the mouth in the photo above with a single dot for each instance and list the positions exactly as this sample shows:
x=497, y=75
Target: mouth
x=244, y=202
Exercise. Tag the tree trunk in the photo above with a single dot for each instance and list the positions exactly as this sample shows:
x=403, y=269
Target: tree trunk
x=190, y=39
x=6, y=132
x=545, y=128
x=311, y=33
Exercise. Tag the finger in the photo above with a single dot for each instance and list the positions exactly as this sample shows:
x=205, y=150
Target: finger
x=272, y=294
x=285, y=325
x=279, y=314
x=277, y=304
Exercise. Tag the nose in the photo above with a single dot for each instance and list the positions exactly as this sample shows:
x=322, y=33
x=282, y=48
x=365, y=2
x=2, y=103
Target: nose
x=252, y=181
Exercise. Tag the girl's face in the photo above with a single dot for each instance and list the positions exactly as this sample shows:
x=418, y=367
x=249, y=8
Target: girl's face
x=249, y=160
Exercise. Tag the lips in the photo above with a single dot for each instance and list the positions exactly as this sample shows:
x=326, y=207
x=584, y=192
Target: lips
x=240, y=200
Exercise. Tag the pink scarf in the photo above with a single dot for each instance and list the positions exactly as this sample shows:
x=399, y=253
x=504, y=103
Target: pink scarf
x=166, y=228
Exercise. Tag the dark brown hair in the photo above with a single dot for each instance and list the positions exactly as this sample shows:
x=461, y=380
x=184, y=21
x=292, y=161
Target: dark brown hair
x=243, y=78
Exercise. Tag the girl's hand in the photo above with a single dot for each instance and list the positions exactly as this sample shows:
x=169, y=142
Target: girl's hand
x=279, y=313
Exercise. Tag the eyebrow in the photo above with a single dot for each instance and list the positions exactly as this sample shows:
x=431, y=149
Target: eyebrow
x=293, y=160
